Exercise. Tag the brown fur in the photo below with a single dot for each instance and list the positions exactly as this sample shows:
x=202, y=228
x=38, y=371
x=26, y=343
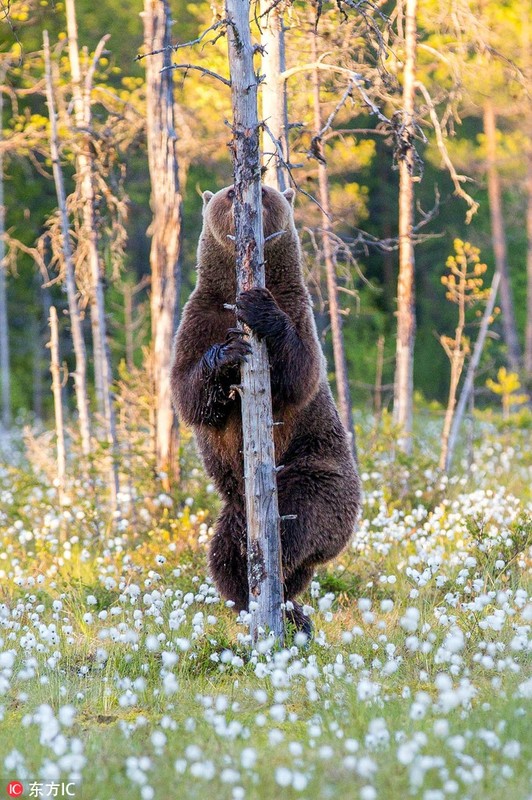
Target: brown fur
x=318, y=481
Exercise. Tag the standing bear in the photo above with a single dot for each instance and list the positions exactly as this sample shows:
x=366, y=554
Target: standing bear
x=318, y=481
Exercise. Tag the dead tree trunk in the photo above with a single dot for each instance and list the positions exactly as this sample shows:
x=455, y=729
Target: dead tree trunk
x=499, y=238
x=274, y=106
x=80, y=373
x=5, y=375
x=165, y=228
x=467, y=388
x=84, y=168
x=55, y=369
x=340, y=365
x=263, y=524
x=406, y=314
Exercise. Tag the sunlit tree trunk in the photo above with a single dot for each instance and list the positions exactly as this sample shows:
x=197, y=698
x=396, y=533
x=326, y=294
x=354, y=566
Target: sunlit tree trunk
x=274, y=108
x=340, y=365
x=55, y=369
x=165, y=228
x=499, y=238
x=262, y=514
x=406, y=319
x=80, y=373
x=102, y=362
x=5, y=376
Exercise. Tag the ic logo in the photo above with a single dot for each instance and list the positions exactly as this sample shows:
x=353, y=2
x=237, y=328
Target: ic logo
x=15, y=789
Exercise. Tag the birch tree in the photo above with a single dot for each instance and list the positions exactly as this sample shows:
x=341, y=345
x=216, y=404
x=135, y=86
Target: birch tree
x=263, y=524
x=80, y=373
x=406, y=319
x=165, y=228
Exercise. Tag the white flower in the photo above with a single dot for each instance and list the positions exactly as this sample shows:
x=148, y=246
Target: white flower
x=248, y=757
x=299, y=781
x=511, y=749
x=66, y=715
x=283, y=776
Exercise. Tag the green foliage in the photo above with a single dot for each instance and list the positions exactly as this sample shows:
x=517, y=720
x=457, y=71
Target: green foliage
x=452, y=58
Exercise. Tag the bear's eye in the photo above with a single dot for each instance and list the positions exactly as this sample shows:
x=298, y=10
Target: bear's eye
x=231, y=194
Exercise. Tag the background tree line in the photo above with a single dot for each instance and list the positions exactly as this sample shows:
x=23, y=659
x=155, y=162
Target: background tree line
x=371, y=106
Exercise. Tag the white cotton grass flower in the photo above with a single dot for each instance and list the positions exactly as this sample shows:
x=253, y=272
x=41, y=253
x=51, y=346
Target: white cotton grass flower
x=283, y=777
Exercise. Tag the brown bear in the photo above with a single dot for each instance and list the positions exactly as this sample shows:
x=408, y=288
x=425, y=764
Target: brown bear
x=318, y=481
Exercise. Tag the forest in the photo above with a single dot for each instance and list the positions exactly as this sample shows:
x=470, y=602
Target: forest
x=402, y=131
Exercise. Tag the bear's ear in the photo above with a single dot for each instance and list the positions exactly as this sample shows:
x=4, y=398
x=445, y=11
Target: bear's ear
x=207, y=196
x=290, y=195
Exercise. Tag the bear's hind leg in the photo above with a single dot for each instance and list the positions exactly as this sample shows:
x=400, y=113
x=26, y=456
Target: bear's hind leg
x=324, y=504
x=227, y=557
x=296, y=582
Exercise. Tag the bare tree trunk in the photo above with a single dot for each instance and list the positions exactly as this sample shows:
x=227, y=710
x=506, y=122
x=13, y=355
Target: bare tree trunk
x=499, y=239
x=166, y=225
x=274, y=106
x=80, y=373
x=406, y=313
x=55, y=369
x=340, y=365
x=5, y=375
x=467, y=388
x=102, y=363
x=263, y=524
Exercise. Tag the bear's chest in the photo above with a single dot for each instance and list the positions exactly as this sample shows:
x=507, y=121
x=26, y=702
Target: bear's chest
x=225, y=445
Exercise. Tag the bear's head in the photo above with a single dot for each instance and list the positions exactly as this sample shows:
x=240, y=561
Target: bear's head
x=218, y=218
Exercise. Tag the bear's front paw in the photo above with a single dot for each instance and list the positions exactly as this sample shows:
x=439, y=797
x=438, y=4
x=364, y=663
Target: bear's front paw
x=234, y=350
x=257, y=309
x=228, y=355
